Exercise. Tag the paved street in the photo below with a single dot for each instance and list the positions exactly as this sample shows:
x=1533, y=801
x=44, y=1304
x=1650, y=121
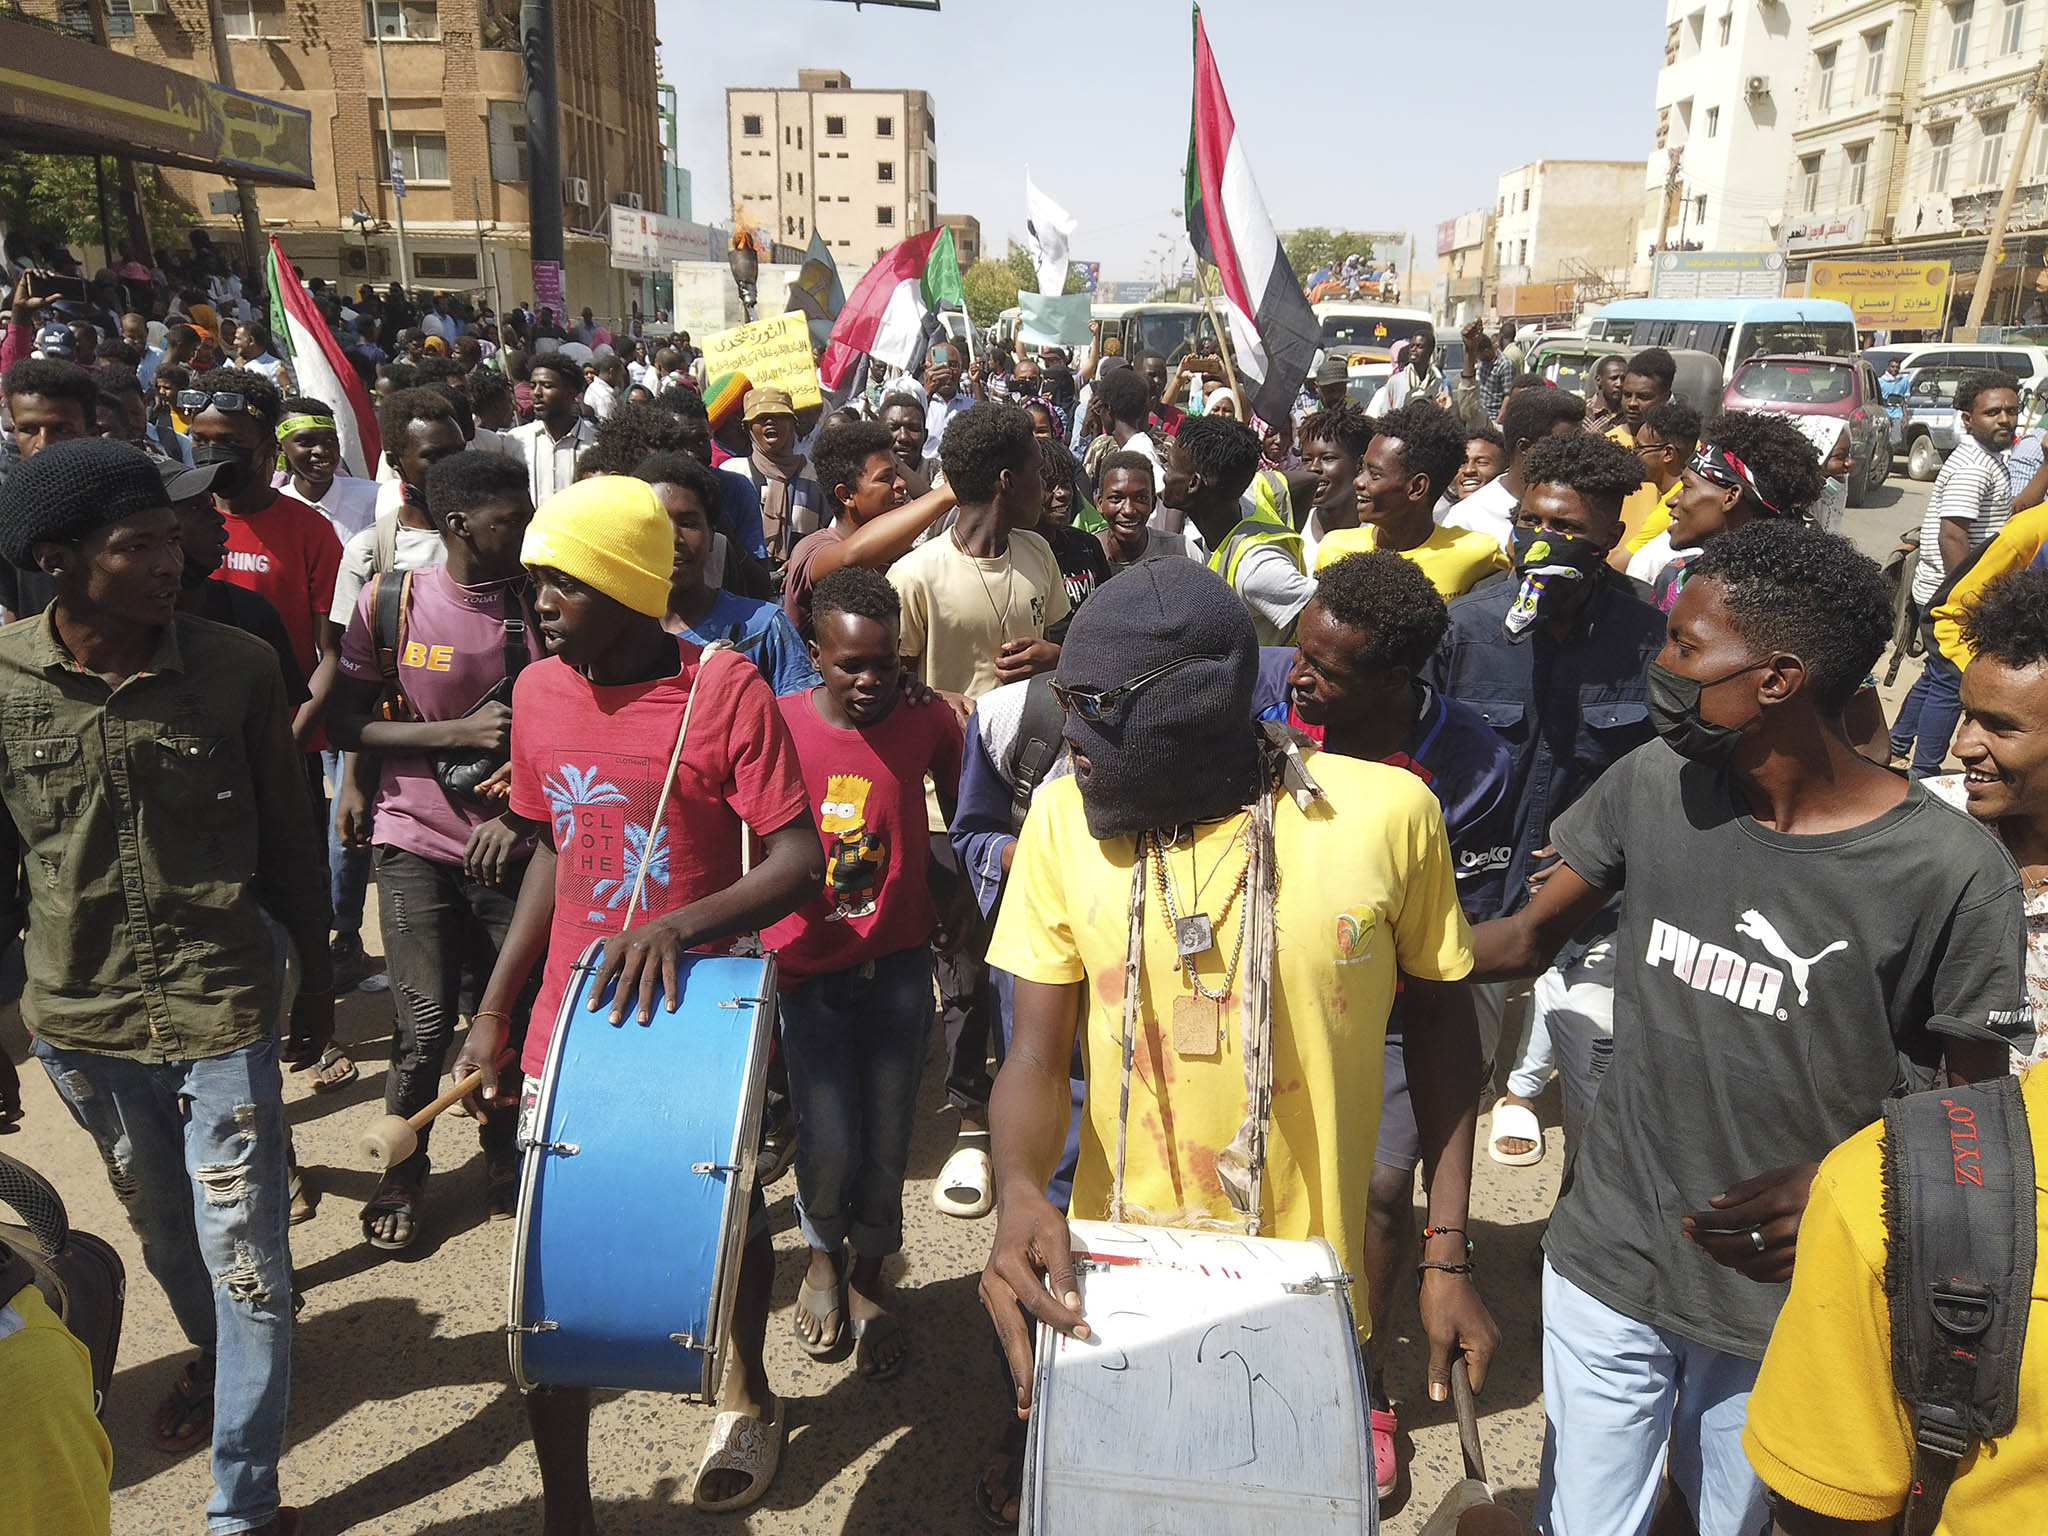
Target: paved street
x=404, y=1418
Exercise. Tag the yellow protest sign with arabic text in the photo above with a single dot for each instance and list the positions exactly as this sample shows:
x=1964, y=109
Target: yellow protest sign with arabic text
x=771, y=353
x=1884, y=293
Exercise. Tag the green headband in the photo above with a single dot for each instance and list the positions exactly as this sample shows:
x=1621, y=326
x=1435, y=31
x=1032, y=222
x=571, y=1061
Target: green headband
x=293, y=424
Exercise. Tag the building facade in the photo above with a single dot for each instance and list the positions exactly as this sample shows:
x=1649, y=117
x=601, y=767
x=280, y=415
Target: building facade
x=457, y=129
x=1908, y=122
x=1726, y=98
x=1567, y=221
x=1465, y=268
x=859, y=168
x=966, y=237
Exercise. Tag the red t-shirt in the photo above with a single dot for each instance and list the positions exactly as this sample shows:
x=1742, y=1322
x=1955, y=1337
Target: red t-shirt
x=591, y=760
x=287, y=552
x=867, y=788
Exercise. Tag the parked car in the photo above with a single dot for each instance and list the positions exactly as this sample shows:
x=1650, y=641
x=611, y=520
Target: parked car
x=1931, y=424
x=2028, y=364
x=1569, y=361
x=1808, y=384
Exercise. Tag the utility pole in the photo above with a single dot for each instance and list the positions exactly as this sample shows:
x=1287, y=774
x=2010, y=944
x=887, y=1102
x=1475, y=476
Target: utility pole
x=2029, y=107
x=1670, y=192
x=543, y=132
x=394, y=169
x=131, y=186
x=245, y=190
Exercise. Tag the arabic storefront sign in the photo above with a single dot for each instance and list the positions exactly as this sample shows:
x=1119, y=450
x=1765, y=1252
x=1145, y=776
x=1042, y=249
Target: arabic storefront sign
x=64, y=94
x=1717, y=275
x=653, y=242
x=771, y=353
x=547, y=286
x=1819, y=231
x=1884, y=293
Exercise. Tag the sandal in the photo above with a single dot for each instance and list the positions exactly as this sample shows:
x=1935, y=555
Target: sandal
x=741, y=1443
x=1386, y=1461
x=335, y=1070
x=396, y=1196
x=501, y=1189
x=1010, y=1450
x=778, y=1147
x=966, y=1185
x=831, y=1320
x=183, y=1421
x=304, y=1206
x=1514, y=1122
x=867, y=1333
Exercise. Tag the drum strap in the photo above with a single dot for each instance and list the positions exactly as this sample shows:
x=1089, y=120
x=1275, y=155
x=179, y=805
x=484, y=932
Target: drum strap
x=1134, y=970
x=1241, y=1166
x=668, y=782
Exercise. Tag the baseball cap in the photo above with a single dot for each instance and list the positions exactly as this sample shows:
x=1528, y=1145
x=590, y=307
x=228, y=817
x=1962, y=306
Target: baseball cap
x=185, y=482
x=767, y=402
x=57, y=341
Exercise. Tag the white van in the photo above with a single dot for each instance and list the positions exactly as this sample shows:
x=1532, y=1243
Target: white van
x=2028, y=364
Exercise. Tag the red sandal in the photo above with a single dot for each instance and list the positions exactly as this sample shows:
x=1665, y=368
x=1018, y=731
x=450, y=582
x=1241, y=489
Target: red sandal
x=1386, y=1464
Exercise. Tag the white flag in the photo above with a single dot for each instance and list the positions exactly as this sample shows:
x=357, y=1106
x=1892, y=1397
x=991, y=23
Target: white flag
x=1049, y=226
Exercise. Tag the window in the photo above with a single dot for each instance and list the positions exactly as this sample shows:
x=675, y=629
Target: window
x=1713, y=121
x=799, y=226
x=788, y=181
x=785, y=138
x=1809, y=183
x=1824, y=79
x=885, y=170
x=931, y=177
x=885, y=127
x=1858, y=158
x=1940, y=142
x=250, y=20
x=885, y=217
x=1960, y=13
x=1525, y=199
x=799, y=182
x=1722, y=26
x=1873, y=61
x=789, y=224
x=799, y=137
x=751, y=126
x=507, y=131
x=408, y=21
x=835, y=127
x=446, y=265
x=1699, y=209
x=1991, y=153
x=2011, y=25
x=1522, y=253
x=423, y=157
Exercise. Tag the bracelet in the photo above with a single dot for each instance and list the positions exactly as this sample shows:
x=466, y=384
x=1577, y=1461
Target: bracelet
x=1429, y=1232
x=489, y=1013
x=1449, y=1269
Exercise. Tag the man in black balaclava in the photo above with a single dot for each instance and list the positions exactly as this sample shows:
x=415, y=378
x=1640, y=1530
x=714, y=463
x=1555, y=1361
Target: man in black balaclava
x=1178, y=811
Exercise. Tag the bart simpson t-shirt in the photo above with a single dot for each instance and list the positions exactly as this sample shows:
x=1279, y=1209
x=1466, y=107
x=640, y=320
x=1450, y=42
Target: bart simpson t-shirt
x=590, y=761
x=867, y=790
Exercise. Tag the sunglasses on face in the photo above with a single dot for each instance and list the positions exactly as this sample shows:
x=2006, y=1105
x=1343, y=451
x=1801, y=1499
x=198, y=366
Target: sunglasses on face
x=1097, y=704
x=228, y=401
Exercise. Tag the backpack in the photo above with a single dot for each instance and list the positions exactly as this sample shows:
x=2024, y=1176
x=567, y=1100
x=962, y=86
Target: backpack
x=458, y=771
x=1960, y=1228
x=1039, y=741
x=80, y=1275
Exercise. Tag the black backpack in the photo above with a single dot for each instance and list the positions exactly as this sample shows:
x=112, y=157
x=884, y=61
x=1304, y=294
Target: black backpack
x=1960, y=1225
x=1039, y=742
x=80, y=1276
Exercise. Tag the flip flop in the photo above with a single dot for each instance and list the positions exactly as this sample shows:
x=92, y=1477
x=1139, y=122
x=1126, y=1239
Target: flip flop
x=869, y=1331
x=1385, y=1459
x=1011, y=1449
x=334, y=1071
x=1514, y=1122
x=741, y=1443
x=183, y=1421
x=966, y=1185
x=395, y=1196
x=831, y=1322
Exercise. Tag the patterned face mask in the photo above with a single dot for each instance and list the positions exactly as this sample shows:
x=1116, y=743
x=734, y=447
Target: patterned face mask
x=1551, y=566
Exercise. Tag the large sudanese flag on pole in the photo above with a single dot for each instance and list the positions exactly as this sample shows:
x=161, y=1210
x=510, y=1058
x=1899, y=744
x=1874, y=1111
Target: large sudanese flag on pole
x=892, y=314
x=1275, y=332
x=318, y=367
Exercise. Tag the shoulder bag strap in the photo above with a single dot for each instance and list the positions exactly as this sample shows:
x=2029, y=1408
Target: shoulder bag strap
x=384, y=556
x=1038, y=739
x=675, y=758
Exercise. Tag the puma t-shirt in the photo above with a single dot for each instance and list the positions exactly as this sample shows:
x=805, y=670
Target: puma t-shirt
x=1772, y=992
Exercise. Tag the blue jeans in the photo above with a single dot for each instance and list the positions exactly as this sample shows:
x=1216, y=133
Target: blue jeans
x=1620, y=1396
x=196, y=1153
x=348, y=869
x=1940, y=710
x=855, y=1043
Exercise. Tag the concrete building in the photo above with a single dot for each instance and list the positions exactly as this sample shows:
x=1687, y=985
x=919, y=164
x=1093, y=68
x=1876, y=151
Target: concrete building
x=1567, y=222
x=1465, y=268
x=458, y=130
x=966, y=237
x=1725, y=102
x=1908, y=120
x=861, y=168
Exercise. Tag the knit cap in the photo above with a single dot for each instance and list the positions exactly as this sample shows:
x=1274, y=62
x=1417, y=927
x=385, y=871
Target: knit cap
x=74, y=489
x=611, y=534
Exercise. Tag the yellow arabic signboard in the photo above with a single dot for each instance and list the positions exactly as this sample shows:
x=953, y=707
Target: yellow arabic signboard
x=1884, y=293
x=773, y=354
x=63, y=94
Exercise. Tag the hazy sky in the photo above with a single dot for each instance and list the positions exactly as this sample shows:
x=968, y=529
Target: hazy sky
x=1355, y=113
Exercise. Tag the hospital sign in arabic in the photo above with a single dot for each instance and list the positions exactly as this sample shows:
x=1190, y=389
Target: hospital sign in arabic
x=1884, y=293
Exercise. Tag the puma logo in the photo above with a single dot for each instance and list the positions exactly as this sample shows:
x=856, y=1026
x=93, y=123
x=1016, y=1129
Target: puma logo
x=1755, y=925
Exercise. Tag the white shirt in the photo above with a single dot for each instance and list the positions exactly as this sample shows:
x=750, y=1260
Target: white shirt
x=1489, y=510
x=938, y=412
x=414, y=549
x=271, y=367
x=1648, y=563
x=350, y=504
x=601, y=398
x=550, y=461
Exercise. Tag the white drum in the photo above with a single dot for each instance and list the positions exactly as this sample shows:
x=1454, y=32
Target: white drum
x=1221, y=1394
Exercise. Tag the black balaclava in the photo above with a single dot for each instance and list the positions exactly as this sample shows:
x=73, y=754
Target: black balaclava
x=1183, y=748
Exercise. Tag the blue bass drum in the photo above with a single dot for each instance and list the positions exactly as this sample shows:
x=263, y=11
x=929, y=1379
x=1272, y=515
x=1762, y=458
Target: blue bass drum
x=634, y=1196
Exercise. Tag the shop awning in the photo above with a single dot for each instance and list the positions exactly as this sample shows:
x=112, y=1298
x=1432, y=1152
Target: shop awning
x=66, y=95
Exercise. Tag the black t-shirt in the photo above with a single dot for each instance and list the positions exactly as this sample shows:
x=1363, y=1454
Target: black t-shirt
x=24, y=593
x=1771, y=992
x=239, y=608
x=1083, y=565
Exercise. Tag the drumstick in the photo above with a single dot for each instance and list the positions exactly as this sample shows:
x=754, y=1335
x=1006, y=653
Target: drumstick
x=390, y=1140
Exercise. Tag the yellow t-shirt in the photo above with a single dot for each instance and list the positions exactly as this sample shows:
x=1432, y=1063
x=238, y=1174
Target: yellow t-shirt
x=1621, y=434
x=55, y=1462
x=1454, y=559
x=2013, y=548
x=1647, y=513
x=958, y=611
x=1827, y=1428
x=1366, y=885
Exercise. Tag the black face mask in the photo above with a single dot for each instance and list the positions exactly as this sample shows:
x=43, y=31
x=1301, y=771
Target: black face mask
x=1675, y=714
x=232, y=481
x=1551, y=566
x=413, y=496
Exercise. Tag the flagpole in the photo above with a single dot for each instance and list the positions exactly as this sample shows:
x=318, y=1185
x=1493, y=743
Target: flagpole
x=1222, y=347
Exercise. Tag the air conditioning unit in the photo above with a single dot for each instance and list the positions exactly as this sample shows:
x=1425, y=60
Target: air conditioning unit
x=632, y=200
x=576, y=189
x=357, y=262
x=1758, y=87
x=149, y=7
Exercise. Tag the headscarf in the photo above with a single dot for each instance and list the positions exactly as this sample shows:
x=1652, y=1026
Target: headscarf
x=1825, y=432
x=1713, y=463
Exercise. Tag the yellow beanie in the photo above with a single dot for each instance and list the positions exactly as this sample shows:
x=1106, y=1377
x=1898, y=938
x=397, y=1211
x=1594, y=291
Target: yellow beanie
x=611, y=534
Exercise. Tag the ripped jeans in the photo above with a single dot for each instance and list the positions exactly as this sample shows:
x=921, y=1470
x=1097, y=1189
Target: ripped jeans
x=196, y=1151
